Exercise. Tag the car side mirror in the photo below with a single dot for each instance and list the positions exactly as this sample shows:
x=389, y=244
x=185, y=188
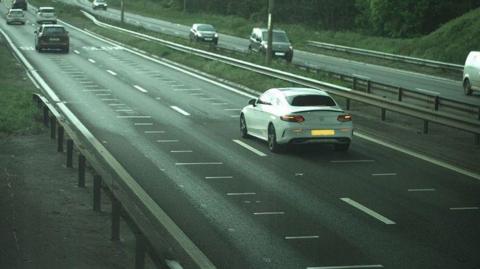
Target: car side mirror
x=252, y=101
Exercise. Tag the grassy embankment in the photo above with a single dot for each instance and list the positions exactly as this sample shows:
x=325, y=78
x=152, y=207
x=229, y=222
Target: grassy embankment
x=17, y=110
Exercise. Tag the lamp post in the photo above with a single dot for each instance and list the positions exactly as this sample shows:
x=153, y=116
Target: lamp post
x=270, y=32
x=122, y=10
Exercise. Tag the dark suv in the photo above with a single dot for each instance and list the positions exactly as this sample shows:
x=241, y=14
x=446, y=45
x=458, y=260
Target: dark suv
x=52, y=36
x=281, y=46
x=20, y=4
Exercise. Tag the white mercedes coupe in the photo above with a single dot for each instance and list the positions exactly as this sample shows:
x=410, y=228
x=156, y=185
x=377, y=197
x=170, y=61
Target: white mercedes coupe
x=283, y=116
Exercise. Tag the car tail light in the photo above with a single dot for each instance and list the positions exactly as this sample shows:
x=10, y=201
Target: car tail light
x=293, y=118
x=344, y=117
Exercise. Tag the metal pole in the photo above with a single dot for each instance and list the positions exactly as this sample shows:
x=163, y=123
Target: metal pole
x=437, y=102
x=69, y=153
x=400, y=94
x=384, y=112
x=140, y=250
x=116, y=208
x=53, y=127
x=122, y=10
x=270, y=32
x=45, y=116
x=81, y=170
x=60, y=135
x=348, y=103
x=369, y=86
x=97, y=194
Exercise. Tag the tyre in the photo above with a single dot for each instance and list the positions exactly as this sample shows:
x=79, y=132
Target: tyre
x=467, y=87
x=273, y=146
x=342, y=147
x=243, y=127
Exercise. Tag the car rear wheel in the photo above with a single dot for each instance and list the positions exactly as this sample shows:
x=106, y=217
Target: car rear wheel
x=467, y=87
x=243, y=127
x=342, y=147
x=273, y=146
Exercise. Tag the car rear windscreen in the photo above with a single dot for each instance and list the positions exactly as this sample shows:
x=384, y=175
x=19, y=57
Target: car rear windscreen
x=310, y=100
x=54, y=31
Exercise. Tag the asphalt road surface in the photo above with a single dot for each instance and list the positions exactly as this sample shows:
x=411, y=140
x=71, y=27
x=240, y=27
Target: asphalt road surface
x=178, y=135
x=400, y=78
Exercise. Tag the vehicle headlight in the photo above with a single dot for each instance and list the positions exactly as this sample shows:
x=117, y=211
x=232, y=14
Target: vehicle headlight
x=200, y=34
x=290, y=48
x=216, y=35
x=265, y=45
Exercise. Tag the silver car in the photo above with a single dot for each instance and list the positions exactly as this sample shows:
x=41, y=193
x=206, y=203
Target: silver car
x=296, y=116
x=15, y=16
x=471, y=73
x=99, y=4
x=46, y=15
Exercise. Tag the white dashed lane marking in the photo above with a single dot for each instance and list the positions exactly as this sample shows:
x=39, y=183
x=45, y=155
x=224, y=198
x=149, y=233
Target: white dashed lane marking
x=91, y=60
x=179, y=110
x=367, y=211
x=140, y=88
x=111, y=72
x=252, y=149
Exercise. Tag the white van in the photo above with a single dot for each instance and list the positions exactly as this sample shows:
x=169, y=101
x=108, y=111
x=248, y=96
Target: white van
x=471, y=73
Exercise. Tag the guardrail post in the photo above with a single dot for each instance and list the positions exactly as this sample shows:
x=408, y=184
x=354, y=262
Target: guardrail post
x=348, y=104
x=97, y=194
x=369, y=86
x=425, y=126
x=437, y=102
x=354, y=83
x=384, y=113
x=45, y=116
x=116, y=208
x=69, y=153
x=479, y=113
x=400, y=94
x=140, y=250
x=53, y=126
x=60, y=135
x=81, y=170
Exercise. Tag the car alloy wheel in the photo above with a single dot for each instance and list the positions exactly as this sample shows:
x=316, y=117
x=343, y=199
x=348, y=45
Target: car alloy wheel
x=273, y=146
x=467, y=88
x=243, y=127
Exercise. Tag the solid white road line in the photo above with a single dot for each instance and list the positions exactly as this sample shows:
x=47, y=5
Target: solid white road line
x=384, y=174
x=302, y=237
x=269, y=213
x=179, y=110
x=252, y=149
x=220, y=177
x=240, y=193
x=348, y=267
x=421, y=190
x=204, y=163
x=154, y=132
x=367, y=211
x=465, y=208
x=111, y=72
x=352, y=161
x=420, y=156
x=134, y=117
x=140, y=88
x=91, y=60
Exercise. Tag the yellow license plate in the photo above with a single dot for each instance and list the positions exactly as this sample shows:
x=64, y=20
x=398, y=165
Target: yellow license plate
x=323, y=132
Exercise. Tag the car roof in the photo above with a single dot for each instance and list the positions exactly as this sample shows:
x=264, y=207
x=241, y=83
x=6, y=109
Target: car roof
x=201, y=24
x=45, y=8
x=16, y=9
x=301, y=91
x=52, y=25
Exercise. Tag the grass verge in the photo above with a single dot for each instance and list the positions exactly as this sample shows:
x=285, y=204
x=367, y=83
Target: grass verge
x=17, y=110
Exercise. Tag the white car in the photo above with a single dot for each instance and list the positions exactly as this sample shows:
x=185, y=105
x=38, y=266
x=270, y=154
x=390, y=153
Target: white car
x=471, y=73
x=99, y=4
x=46, y=15
x=15, y=16
x=284, y=116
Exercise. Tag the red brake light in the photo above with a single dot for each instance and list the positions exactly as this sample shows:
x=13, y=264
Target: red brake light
x=293, y=118
x=344, y=117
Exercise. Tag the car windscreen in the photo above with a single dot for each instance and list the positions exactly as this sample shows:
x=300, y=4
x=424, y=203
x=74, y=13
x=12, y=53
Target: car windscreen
x=277, y=37
x=310, y=100
x=206, y=28
x=47, y=10
x=54, y=31
x=16, y=14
